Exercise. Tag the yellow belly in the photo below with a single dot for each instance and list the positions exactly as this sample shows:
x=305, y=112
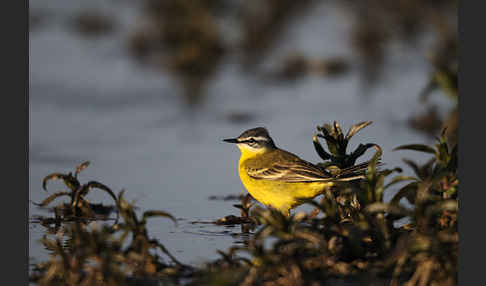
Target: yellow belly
x=281, y=195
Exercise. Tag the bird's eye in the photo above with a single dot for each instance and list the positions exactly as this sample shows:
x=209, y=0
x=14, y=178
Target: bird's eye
x=251, y=140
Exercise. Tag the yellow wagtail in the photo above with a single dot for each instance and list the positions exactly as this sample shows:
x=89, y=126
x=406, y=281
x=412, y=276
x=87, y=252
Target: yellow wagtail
x=280, y=179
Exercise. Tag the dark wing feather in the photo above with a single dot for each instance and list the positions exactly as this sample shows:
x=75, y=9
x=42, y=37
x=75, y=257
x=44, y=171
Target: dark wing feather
x=293, y=172
x=290, y=168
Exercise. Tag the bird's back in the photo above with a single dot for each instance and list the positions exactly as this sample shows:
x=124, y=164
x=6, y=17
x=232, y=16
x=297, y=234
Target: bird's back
x=273, y=157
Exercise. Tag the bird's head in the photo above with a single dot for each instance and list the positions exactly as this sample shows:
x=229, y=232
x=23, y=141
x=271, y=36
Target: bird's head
x=253, y=141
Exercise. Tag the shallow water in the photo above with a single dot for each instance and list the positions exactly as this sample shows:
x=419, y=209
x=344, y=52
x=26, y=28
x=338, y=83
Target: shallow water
x=89, y=100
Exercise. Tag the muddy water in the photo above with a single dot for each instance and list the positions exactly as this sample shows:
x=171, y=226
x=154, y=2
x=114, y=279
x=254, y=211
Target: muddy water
x=89, y=100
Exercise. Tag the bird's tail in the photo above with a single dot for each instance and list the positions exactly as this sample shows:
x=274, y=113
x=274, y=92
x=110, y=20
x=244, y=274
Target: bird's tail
x=354, y=173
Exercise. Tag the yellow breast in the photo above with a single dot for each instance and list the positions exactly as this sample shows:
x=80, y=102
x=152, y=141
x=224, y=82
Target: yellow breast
x=278, y=194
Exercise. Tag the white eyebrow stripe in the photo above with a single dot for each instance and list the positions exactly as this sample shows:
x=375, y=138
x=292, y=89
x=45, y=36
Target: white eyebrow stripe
x=260, y=138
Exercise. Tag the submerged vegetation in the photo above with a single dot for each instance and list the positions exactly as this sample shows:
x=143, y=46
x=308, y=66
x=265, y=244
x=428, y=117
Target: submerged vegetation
x=119, y=254
x=78, y=207
x=353, y=235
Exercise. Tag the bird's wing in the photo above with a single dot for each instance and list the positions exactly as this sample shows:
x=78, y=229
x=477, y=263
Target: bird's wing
x=292, y=172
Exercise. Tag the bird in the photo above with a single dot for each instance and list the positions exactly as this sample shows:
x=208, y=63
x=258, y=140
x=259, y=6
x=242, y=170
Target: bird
x=279, y=179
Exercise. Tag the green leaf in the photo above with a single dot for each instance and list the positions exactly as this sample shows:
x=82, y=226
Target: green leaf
x=325, y=128
x=52, y=197
x=81, y=167
x=95, y=185
x=443, y=154
x=361, y=149
x=398, y=179
x=329, y=139
x=447, y=205
x=329, y=136
x=126, y=210
x=409, y=191
x=451, y=191
x=388, y=172
x=379, y=189
x=414, y=167
x=416, y=147
x=376, y=158
x=320, y=151
x=338, y=131
x=84, y=190
x=332, y=145
x=120, y=196
x=388, y=208
x=54, y=176
x=357, y=127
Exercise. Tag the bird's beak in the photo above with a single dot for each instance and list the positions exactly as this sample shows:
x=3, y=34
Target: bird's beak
x=232, y=140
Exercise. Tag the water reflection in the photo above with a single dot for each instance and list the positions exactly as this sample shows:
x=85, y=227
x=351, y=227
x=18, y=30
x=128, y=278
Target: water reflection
x=90, y=99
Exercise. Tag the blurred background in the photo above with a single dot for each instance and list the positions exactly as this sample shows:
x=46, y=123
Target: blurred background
x=146, y=90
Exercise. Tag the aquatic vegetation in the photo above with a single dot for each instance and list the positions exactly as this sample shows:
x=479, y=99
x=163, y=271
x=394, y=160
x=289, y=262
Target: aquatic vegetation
x=353, y=235
x=79, y=206
x=298, y=65
x=262, y=22
x=358, y=237
x=338, y=143
x=431, y=241
x=444, y=77
x=360, y=240
x=183, y=36
x=378, y=23
x=194, y=39
x=246, y=203
x=120, y=254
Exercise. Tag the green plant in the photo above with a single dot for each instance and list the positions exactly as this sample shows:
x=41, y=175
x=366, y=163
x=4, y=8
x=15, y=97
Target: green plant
x=359, y=236
x=120, y=254
x=431, y=246
x=337, y=144
x=79, y=206
x=141, y=243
